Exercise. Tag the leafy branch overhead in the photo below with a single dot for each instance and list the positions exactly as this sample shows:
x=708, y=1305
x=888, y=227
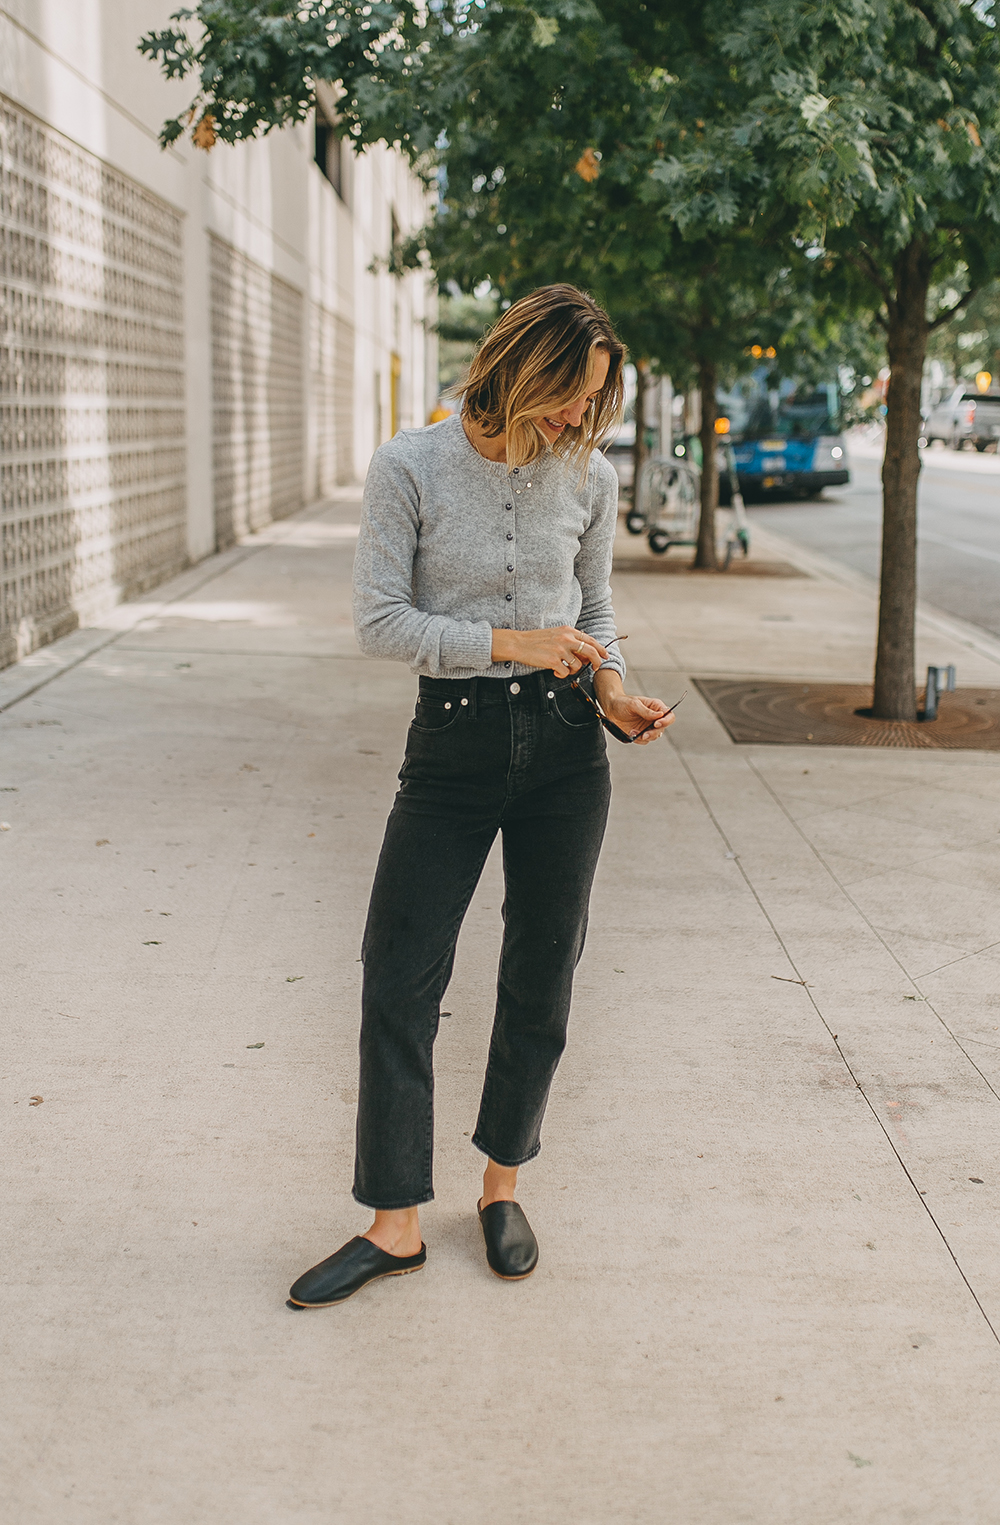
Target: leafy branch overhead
x=257, y=63
x=403, y=70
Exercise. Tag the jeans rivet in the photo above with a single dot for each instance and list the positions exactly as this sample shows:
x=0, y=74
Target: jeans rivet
x=448, y=705
x=515, y=688
x=550, y=694
x=465, y=701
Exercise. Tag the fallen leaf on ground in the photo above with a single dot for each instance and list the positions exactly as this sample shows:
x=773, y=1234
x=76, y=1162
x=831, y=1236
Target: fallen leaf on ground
x=36, y=1101
x=255, y=1045
x=291, y=978
x=152, y=943
x=102, y=842
x=249, y=768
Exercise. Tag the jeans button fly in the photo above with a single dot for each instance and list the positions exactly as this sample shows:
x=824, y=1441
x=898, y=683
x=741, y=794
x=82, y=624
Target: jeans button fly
x=515, y=688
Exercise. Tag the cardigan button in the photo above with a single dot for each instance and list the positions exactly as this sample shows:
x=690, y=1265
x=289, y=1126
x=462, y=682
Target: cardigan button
x=509, y=597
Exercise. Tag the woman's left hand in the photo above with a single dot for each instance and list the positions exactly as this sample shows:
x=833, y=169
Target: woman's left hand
x=634, y=712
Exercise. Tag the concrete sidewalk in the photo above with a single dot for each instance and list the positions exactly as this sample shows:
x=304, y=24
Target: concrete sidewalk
x=769, y=1290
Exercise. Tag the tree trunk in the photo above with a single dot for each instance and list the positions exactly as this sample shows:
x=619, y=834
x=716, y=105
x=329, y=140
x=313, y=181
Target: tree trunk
x=639, y=451
x=704, y=556
x=895, y=677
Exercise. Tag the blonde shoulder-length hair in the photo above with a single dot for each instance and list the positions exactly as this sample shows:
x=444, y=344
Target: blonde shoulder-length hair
x=537, y=359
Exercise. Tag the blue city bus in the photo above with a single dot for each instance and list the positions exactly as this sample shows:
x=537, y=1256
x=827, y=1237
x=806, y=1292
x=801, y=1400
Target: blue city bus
x=787, y=439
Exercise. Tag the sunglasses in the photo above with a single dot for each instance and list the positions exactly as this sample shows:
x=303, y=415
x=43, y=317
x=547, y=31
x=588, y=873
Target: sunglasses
x=609, y=725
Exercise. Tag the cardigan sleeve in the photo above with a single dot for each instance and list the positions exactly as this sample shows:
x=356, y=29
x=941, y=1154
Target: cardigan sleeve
x=386, y=622
x=593, y=561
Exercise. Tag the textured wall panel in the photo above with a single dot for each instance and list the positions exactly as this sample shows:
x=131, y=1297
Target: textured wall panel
x=331, y=365
x=92, y=498
x=258, y=437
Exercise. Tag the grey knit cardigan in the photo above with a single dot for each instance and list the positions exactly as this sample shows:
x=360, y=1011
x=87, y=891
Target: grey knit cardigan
x=453, y=547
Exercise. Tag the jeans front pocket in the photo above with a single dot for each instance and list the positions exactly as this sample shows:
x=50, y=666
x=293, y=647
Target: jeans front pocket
x=573, y=711
x=434, y=713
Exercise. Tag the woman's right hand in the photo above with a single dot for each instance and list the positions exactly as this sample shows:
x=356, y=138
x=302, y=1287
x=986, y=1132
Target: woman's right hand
x=563, y=648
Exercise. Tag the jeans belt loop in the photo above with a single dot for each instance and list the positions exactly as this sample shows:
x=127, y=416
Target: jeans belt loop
x=473, y=691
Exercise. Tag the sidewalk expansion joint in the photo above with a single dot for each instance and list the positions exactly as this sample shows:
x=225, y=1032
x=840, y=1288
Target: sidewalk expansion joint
x=801, y=979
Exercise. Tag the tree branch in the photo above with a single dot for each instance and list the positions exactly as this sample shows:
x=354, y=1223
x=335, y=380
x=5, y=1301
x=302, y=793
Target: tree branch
x=868, y=268
x=950, y=312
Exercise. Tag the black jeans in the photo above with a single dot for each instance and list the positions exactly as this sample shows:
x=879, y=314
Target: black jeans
x=525, y=757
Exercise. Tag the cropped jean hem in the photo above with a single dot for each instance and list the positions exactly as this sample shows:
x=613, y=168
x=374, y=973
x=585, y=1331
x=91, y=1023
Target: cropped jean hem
x=393, y=1207
x=506, y=1164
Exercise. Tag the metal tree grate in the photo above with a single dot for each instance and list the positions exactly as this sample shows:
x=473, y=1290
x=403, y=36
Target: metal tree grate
x=826, y=714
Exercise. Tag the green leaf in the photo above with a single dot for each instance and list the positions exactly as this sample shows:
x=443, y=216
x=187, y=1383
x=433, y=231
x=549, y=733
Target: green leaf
x=812, y=107
x=545, y=31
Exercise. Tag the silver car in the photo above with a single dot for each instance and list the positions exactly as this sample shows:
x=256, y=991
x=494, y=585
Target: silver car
x=967, y=414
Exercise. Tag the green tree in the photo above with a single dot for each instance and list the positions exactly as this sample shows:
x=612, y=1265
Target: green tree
x=877, y=122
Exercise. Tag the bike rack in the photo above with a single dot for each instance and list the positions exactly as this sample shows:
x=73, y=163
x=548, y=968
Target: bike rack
x=666, y=505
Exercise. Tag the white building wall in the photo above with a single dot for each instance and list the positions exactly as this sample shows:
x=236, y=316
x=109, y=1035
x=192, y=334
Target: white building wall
x=281, y=357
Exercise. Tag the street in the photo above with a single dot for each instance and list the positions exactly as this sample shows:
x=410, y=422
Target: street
x=959, y=528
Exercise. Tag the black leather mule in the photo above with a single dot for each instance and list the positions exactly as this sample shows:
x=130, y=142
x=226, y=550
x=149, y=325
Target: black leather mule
x=511, y=1247
x=353, y=1266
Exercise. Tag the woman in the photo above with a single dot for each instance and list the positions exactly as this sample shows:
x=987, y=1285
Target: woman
x=483, y=562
